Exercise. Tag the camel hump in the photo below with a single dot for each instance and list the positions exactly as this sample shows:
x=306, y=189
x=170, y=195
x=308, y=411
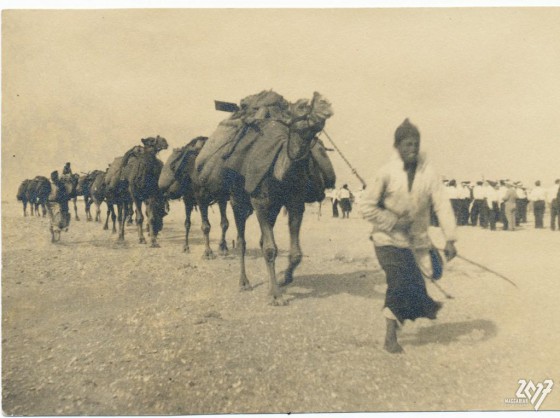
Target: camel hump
x=98, y=182
x=92, y=175
x=23, y=188
x=142, y=170
x=113, y=174
x=264, y=105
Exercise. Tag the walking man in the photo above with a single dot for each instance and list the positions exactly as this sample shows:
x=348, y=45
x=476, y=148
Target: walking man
x=538, y=196
x=479, y=213
x=57, y=206
x=493, y=203
x=400, y=214
x=510, y=206
x=554, y=205
x=345, y=197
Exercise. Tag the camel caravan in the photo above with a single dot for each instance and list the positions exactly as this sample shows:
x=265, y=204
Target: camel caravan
x=266, y=156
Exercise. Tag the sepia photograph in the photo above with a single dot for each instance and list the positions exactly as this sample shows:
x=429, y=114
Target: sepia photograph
x=260, y=209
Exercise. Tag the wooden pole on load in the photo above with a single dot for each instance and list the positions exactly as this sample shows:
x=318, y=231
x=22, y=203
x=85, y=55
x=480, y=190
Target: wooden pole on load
x=345, y=160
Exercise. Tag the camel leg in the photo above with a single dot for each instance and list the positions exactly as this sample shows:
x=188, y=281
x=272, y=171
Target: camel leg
x=88, y=209
x=106, y=226
x=52, y=233
x=24, y=208
x=240, y=214
x=90, y=216
x=130, y=210
x=113, y=218
x=75, y=200
x=208, y=254
x=97, y=212
x=266, y=215
x=121, y=207
x=224, y=224
x=150, y=224
x=139, y=221
x=295, y=213
x=188, y=211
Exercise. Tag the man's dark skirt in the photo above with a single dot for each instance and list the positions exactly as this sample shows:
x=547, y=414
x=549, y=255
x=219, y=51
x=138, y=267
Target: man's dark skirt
x=345, y=204
x=406, y=293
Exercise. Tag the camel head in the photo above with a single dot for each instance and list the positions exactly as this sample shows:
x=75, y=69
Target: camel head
x=156, y=144
x=54, y=176
x=321, y=108
x=311, y=115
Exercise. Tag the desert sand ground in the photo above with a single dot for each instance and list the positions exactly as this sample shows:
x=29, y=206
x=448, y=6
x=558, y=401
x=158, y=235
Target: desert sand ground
x=90, y=326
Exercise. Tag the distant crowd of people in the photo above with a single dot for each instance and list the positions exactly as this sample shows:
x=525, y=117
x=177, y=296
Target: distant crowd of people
x=487, y=203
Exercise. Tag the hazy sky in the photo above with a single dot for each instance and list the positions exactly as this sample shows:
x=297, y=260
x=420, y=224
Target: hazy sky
x=482, y=85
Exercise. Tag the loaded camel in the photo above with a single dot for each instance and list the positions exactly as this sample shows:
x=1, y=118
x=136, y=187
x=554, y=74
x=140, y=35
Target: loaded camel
x=176, y=182
x=272, y=160
x=134, y=179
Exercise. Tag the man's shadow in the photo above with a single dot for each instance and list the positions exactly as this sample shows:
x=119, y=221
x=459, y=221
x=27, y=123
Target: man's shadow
x=468, y=332
x=363, y=283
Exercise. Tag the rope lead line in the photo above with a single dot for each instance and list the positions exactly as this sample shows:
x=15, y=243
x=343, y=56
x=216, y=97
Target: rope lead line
x=345, y=160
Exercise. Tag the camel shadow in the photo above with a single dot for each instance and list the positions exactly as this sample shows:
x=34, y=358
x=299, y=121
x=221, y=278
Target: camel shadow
x=468, y=332
x=361, y=283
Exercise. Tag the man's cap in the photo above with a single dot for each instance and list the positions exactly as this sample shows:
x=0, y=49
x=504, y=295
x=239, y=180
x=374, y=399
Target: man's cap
x=406, y=130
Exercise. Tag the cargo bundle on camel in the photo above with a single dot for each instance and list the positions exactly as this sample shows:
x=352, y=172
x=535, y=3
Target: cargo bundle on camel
x=264, y=157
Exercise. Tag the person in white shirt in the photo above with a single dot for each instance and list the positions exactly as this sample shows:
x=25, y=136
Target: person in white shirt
x=332, y=194
x=538, y=197
x=344, y=198
x=453, y=196
x=398, y=205
x=554, y=205
x=522, y=201
x=503, y=190
x=478, y=211
x=510, y=204
x=465, y=198
x=492, y=197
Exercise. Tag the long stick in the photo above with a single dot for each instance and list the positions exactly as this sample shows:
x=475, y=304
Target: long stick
x=474, y=263
x=487, y=269
x=447, y=295
x=345, y=160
